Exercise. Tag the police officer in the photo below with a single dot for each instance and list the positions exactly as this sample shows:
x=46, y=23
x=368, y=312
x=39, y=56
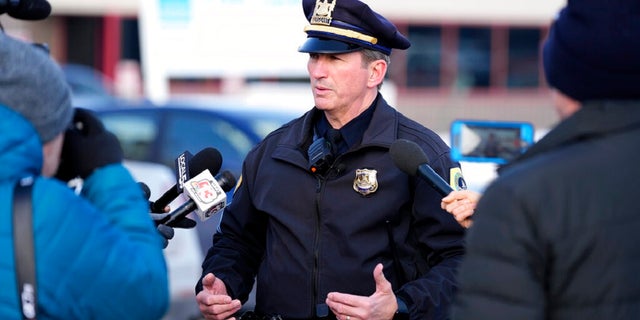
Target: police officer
x=322, y=218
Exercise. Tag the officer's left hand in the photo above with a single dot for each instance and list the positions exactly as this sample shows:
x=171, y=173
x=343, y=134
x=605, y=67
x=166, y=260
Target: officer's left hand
x=381, y=305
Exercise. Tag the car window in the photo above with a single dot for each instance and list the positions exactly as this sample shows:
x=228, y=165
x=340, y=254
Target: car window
x=195, y=131
x=263, y=125
x=136, y=132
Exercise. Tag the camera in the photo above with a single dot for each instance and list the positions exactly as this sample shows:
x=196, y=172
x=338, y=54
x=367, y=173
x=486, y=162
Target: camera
x=489, y=141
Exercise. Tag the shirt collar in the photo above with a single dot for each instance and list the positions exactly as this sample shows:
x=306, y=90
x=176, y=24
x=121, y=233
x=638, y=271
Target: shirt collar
x=351, y=132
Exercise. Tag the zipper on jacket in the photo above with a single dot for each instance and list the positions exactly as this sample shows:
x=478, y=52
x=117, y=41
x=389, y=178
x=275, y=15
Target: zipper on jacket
x=321, y=309
x=316, y=244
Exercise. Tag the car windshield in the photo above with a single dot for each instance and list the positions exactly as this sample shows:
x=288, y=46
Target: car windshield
x=264, y=123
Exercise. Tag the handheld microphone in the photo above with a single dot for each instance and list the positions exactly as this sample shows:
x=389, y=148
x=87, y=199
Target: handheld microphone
x=207, y=159
x=207, y=195
x=27, y=9
x=409, y=157
x=183, y=161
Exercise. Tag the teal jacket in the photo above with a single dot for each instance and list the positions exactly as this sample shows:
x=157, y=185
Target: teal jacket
x=98, y=255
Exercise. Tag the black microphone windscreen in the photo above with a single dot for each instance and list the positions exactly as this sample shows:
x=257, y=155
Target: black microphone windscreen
x=207, y=158
x=226, y=180
x=407, y=156
x=30, y=10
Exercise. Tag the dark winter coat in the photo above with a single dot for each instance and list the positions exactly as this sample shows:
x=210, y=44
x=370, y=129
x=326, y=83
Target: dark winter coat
x=305, y=235
x=556, y=235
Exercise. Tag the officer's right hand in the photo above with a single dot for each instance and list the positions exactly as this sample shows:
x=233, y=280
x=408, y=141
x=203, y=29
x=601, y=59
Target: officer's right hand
x=87, y=146
x=213, y=300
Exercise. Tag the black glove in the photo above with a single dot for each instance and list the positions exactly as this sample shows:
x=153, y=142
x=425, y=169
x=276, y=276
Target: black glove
x=87, y=146
x=166, y=230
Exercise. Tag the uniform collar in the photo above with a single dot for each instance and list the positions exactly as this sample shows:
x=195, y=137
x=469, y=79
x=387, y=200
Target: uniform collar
x=382, y=129
x=351, y=132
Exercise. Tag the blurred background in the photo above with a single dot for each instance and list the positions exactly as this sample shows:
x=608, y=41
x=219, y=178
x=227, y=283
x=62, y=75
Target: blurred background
x=227, y=72
x=468, y=59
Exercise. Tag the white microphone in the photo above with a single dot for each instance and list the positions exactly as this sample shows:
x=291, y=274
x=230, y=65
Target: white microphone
x=186, y=166
x=207, y=195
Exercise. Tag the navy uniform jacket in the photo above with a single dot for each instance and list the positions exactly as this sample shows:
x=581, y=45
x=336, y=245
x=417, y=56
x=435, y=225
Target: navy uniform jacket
x=305, y=236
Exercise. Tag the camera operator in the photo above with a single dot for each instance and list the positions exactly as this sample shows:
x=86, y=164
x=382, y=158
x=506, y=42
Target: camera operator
x=97, y=254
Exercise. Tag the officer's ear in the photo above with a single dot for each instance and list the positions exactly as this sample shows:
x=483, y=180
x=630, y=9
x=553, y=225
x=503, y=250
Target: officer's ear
x=377, y=71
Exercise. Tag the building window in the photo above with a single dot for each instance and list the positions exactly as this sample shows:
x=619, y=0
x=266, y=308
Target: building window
x=424, y=57
x=474, y=58
x=523, y=58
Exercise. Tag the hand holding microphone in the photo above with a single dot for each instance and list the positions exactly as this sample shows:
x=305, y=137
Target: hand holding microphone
x=184, y=223
x=462, y=205
x=409, y=157
x=207, y=196
x=186, y=166
x=210, y=195
x=210, y=198
x=165, y=230
x=206, y=159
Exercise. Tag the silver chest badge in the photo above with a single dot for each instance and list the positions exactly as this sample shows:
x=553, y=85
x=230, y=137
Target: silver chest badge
x=365, y=182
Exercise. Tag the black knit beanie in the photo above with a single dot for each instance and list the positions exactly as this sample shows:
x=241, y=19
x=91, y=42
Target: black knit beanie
x=593, y=50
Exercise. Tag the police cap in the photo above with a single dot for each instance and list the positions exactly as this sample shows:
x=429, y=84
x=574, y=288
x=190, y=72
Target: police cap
x=339, y=26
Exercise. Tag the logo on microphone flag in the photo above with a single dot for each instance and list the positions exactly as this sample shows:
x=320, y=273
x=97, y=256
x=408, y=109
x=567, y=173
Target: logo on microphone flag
x=207, y=194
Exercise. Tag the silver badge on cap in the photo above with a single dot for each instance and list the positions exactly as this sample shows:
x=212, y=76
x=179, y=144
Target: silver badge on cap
x=322, y=12
x=365, y=182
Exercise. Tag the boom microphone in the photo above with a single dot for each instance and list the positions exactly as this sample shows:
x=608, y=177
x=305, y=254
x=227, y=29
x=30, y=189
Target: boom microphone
x=207, y=159
x=206, y=195
x=409, y=157
x=27, y=9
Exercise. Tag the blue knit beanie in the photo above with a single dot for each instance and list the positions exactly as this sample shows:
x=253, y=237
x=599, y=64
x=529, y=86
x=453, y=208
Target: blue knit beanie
x=32, y=84
x=593, y=50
